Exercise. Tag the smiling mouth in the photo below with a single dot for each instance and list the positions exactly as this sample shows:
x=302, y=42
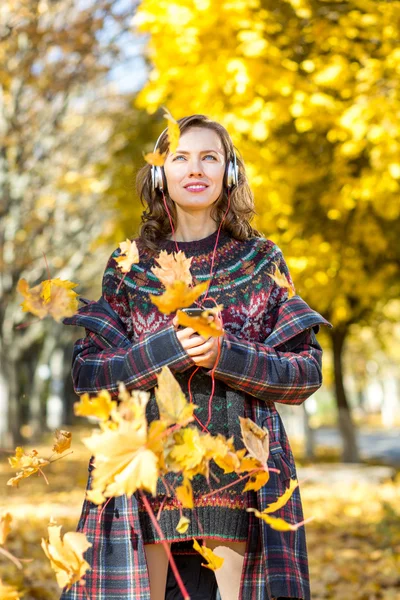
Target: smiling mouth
x=196, y=188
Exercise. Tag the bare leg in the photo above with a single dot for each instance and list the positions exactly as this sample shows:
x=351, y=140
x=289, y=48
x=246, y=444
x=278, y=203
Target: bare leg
x=229, y=575
x=157, y=565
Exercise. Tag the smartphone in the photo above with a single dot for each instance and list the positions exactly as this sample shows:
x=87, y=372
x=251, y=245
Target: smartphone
x=193, y=312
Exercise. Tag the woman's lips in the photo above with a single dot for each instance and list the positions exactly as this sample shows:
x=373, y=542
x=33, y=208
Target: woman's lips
x=196, y=188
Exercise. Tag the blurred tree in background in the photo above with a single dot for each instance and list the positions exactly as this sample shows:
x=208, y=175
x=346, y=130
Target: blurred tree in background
x=54, y=123
x=310, y=92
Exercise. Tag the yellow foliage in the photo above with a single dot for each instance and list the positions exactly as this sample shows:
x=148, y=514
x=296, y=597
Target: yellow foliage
x=173, y=267
x=214, y=562
x=28, y=463
x=129, y=256
x=100, y=406
x=51, y=297
x=178, y=295
x=172, y=403
x=62, y=441
x=66, y=555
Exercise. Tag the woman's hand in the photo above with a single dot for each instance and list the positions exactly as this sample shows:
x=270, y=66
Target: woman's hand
x=203, y=351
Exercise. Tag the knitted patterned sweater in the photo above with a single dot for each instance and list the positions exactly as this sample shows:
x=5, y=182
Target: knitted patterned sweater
x=251, y=300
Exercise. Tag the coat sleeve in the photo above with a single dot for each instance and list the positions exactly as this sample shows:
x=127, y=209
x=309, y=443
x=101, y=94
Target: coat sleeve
x=286, y=366
x=288, y=376
x=96, y=366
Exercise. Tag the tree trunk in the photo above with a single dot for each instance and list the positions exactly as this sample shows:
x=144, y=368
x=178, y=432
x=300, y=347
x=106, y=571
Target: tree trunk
x=345, y=421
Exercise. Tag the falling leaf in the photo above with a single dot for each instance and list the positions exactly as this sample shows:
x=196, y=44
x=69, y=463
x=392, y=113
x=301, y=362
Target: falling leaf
x=123, y=461
x=273, y=522
x=28, y=463
x=5, y=528
x=200, y=324
x=66, y=556
x=281, y=280
x=183, y=525
x=282, y=499
x=173, y=267
x=173, y=131
x=256, y=481
x=184, y=493
x=214, y=562
x=256, y=440
x=231, y=461
x=129, y=256
x=62, y=441
x=100, y=406
x=178, y=295
x=8, y=592
x=51, y=297
x=188, y=452
x=155, y=158
x=171, y=401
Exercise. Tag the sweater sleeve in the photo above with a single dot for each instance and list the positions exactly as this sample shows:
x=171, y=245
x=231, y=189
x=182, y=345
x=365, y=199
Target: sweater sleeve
x=288, y=373
x=96, y=367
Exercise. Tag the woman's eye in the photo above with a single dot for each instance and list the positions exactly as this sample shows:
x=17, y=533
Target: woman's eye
x=176, y=157
x=210, y=156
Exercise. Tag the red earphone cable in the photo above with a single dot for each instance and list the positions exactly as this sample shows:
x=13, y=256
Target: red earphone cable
x=204, y=427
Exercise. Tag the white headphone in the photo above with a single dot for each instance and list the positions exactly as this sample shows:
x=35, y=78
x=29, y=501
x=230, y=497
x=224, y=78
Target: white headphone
x=159, y=182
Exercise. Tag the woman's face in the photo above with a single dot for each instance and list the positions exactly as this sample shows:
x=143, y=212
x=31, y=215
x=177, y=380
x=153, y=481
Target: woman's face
x=195, y=172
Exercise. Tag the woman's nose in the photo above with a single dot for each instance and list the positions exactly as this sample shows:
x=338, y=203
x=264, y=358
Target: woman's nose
x=195, y=169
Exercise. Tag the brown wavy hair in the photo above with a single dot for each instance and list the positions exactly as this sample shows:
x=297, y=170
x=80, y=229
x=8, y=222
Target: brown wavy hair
x=155, y=224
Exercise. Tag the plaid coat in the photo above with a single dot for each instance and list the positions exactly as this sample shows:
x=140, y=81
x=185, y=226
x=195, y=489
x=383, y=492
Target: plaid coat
x=286, y=368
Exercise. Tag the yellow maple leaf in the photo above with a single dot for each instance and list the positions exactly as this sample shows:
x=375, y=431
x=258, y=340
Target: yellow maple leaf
x=214, y=562
x=129, y=256
x=184, y=493
x=256, y=481
x=66, y=556
x=281, y=501
x=231, y=461
x=183, y=525
x=274, y=522
x=178, y=295
x=173, y=267
x=28, y=463
x=53, y=297
x=123, y=461
x=281, y=280
x=8, y=592
x=173, y=131
x=171, y=401
x=5, y=528
x=248, y=463
x=155, y=158
x=256, y=440
x=62, y=441
x=200, y=324
x=100, y=406
x=187, y=453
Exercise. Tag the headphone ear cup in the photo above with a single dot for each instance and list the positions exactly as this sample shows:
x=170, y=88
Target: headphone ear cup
x=231, y=177
x=158, y=178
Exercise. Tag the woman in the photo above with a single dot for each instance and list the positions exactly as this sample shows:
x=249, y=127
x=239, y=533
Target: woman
x=200, y=202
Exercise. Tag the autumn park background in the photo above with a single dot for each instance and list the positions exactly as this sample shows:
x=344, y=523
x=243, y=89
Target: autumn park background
x=310, y=93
